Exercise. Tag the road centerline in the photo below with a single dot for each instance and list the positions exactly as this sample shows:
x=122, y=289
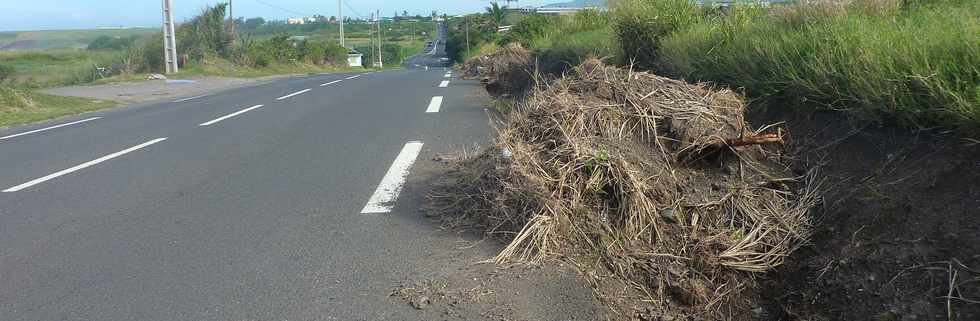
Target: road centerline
x=294, y=94
x=444, y=84
x=49, y=128
x=330, y=83
x=82, y=166
x=352, y=77
x=216, y=120
x=382, y=201
x=434, y=105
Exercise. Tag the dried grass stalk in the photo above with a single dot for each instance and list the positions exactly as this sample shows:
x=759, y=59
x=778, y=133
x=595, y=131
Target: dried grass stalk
x=640, y=175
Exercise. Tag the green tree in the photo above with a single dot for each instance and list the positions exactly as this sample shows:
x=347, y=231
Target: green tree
x=253, y=23
x=496, y=14
x=6, y=72
x=205, y=33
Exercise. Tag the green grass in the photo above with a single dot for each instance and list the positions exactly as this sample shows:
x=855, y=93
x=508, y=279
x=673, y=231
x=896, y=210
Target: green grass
x=62, y=67
x=915, y=66
x=568, y=41
x=68, y=39
x=23, y=106
x=220, y=67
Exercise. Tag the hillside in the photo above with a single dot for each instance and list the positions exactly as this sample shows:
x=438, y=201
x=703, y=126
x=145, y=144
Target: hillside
x=62, y=39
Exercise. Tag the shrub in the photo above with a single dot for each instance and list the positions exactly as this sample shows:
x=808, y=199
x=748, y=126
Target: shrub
x=151, y=51
x=6, y=72
x=312, y=51
x=205, y=33
x=111, y=43
x=282, y=48
x=336, y=54
x=527, y=29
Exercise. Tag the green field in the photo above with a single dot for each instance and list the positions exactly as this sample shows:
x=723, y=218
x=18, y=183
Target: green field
x=63, y=39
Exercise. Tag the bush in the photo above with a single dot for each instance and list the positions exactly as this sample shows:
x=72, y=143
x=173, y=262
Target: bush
x=205, y=33
x=336, y=54
x=111, y=43
x=528, y=29
x=151, y=51
x=312, y=51
x=6, y=72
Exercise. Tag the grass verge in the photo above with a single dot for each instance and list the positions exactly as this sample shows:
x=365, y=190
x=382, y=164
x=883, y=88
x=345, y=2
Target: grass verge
x=911, y=65
x=24, y=106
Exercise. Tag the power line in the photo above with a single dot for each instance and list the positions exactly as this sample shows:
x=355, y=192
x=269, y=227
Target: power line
x=352, y=10
x=283, y=9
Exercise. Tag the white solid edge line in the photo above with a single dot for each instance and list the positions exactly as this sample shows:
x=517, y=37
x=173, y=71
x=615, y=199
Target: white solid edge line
x=293, y=94
x=383, y=198
x=434, y=104
x=82, y=166
x=352, y=77
x=216, y=120
x=49, y=128
x=444, y=84
x=330, y=83
x=189, y=98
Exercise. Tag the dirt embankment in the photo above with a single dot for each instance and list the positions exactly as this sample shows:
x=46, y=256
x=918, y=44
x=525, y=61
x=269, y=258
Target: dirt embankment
x=898, y=235
x=674, y=208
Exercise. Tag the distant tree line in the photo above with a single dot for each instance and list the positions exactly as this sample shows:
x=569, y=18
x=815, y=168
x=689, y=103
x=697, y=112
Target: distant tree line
x=207, y=36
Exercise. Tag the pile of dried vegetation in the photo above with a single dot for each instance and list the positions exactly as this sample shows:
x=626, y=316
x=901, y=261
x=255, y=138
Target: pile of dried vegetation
x=656, y=189
x=505, y=73
x=471, y=68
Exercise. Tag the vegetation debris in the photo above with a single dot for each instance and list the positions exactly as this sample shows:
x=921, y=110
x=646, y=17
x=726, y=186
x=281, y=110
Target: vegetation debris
x=657, y=189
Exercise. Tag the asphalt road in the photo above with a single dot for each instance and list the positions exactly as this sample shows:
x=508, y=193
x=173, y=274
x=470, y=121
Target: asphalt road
x=434, y=57
x=215, y=209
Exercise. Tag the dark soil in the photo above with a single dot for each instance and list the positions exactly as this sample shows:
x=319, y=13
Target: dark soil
x=901, y=218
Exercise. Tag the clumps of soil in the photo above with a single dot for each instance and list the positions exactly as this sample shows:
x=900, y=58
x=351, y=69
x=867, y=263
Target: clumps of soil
x=506, y=73
x=658, y=190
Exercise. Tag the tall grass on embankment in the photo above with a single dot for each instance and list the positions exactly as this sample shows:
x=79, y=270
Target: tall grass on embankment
x=909, y=63
x=50, y=68
x=565, y=42
x=23, y=106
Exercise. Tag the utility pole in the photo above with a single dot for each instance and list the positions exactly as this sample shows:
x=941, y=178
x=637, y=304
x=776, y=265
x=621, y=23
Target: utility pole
x=466, y=25
x=231, y=12
x=340, y=10
x=374, y=49
x=381, y=63
x=169, y=39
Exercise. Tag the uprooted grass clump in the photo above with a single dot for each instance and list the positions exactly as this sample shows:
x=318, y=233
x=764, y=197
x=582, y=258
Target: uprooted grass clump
x=656, y=188
x=505, y=73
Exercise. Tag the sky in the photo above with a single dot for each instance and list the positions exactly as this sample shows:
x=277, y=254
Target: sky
x=84, y=14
